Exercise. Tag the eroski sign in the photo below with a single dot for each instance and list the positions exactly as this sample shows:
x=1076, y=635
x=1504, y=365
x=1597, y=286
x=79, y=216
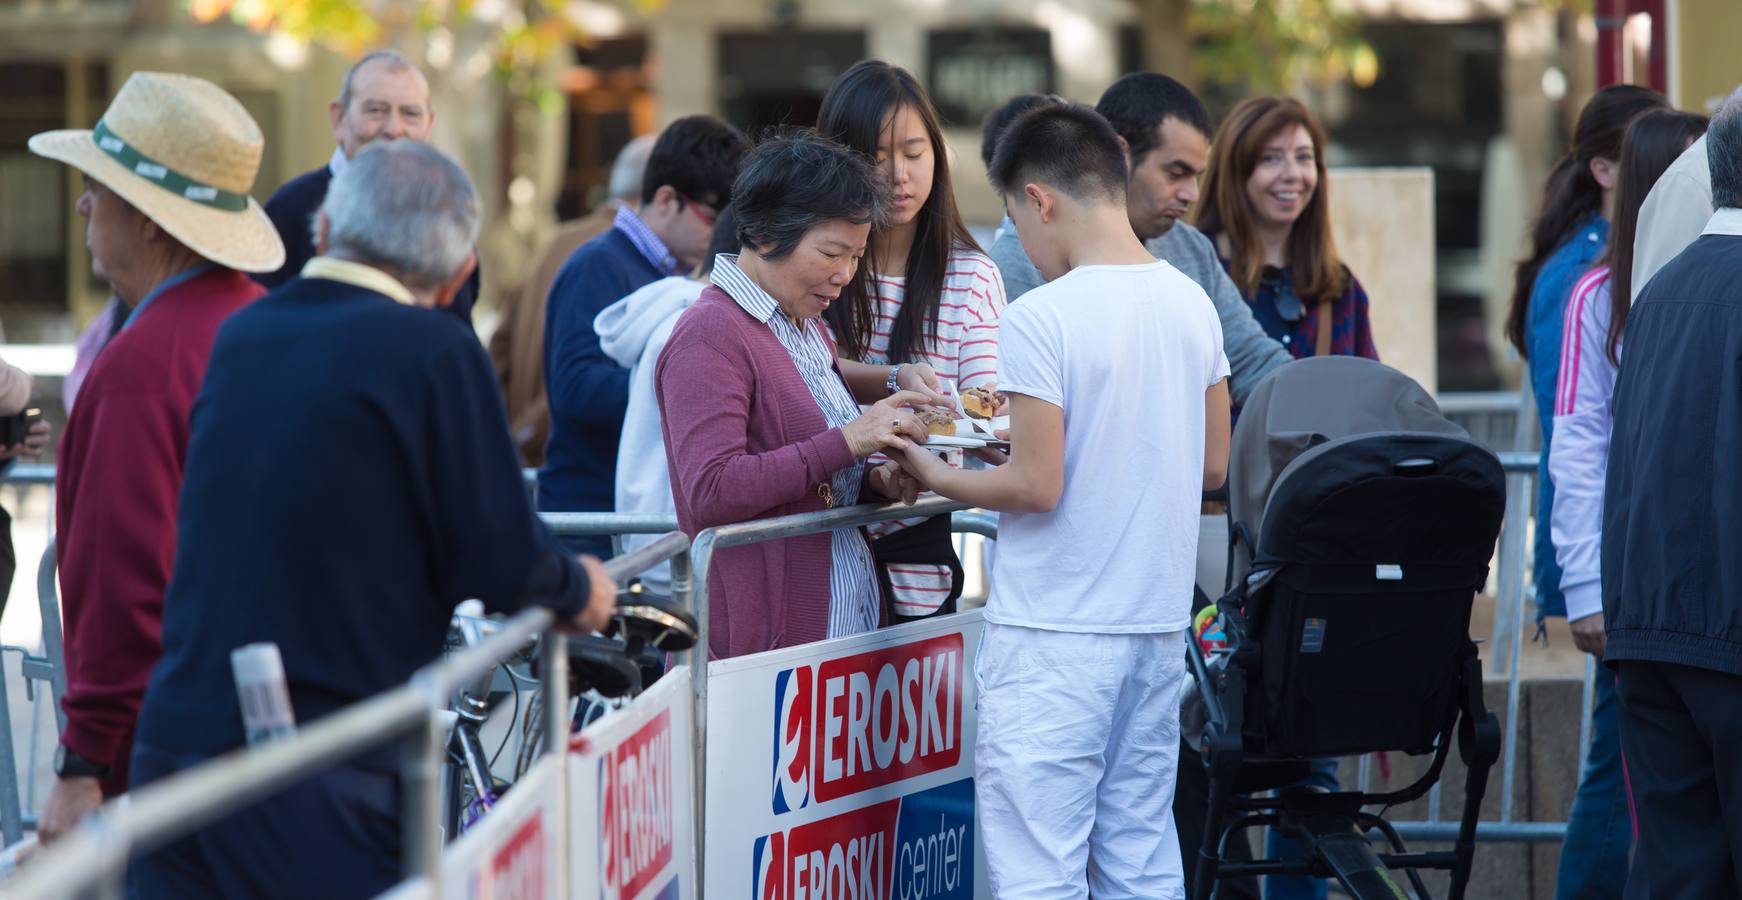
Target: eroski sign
x=864, y=746
x=867, y=720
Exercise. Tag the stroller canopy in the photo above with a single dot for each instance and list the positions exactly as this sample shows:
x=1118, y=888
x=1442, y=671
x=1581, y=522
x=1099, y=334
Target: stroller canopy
x=1309, y=402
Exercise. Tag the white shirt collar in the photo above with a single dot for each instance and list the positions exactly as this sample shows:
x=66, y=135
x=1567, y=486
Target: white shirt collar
x=1726, y=221
x=338, y=162
x=737, y=285
x=359, y=275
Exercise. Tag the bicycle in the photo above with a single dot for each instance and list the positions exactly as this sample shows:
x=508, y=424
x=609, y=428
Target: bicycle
x=604, y=672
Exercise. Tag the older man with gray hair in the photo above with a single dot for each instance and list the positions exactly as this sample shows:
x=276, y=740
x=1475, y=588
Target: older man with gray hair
x=383, y=98
x=1672, y=579
x=349, y=480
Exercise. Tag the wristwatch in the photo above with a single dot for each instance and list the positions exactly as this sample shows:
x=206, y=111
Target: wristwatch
x=68, y=764
x=894, y=382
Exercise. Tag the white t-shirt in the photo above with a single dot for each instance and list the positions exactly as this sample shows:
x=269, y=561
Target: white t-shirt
x=1127, y=352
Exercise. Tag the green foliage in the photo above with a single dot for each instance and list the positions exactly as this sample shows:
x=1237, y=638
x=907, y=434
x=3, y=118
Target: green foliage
x=1273, y=46
x=525, y=33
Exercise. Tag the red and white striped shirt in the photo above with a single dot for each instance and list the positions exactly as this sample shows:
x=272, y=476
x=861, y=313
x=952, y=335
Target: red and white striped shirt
x=965, y=355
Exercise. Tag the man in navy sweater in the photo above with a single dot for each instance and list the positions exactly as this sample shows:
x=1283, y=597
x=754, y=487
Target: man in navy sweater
x=349, y=479
x=384, y=98
x=687, y=183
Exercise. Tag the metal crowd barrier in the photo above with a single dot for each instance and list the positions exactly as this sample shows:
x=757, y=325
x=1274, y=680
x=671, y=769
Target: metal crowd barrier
x=188, y=801
x=95, y=855
x=1503, y=650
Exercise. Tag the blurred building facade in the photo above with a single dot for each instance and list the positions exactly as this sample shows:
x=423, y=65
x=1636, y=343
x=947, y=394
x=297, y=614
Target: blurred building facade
x=1483, y=92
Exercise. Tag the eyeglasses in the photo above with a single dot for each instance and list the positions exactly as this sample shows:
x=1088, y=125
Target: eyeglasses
x=706, y=213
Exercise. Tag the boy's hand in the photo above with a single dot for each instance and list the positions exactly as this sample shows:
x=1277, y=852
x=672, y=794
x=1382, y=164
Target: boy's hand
x=921, y=463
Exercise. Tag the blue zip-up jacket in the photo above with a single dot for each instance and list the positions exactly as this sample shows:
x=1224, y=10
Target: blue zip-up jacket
x=1542, y=336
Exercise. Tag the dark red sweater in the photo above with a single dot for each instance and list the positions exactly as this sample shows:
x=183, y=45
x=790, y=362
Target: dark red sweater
x=120, y=464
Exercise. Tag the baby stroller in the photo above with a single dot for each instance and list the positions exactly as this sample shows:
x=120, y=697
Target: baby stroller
x=1362, y=525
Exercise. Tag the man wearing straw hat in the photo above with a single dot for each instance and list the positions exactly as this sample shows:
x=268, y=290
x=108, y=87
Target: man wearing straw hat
x=172, y=229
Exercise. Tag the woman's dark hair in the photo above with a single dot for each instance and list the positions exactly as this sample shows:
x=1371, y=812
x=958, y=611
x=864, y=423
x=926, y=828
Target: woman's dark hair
x=795, y=181
x=1319, y=273
x=1653, y=141
x=855, y=112
x=1572, y=193
x=725, y=241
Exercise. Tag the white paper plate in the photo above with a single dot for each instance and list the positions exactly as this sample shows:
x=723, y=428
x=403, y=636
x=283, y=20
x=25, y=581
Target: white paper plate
x=967, y=443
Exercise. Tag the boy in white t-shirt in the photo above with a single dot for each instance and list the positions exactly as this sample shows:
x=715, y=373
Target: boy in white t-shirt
x=1119, y=420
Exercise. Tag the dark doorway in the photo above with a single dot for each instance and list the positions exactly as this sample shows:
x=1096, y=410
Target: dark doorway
x=771, y=80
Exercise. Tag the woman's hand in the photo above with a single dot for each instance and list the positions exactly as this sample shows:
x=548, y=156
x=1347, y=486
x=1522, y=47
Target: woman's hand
x=1588, y=634
x=887, y=424
x=922, y=379
x=894, y=483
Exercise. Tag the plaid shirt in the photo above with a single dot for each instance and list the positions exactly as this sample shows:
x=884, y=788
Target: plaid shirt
x=646, y=241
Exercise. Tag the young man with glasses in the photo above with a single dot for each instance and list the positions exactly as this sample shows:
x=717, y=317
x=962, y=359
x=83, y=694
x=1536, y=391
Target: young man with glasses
x=687, y=183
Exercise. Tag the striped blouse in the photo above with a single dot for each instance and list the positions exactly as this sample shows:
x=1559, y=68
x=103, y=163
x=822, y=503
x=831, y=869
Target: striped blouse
x=964, y=355
x=855, y=601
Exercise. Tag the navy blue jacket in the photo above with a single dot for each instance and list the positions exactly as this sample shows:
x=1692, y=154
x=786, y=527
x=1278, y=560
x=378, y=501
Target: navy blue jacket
x=1672, y=504
x=588, y=391
x=349, y=479
x=292, y=210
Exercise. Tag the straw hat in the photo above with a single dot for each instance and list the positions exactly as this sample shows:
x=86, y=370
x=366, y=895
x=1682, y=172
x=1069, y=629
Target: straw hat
x=185, y=154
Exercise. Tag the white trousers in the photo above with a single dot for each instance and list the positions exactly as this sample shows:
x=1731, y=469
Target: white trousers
x=1075, y=761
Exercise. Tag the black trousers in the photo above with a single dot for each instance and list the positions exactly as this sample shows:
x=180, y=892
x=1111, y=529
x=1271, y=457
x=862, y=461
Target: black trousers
x=335, y=835
x=1681, y=735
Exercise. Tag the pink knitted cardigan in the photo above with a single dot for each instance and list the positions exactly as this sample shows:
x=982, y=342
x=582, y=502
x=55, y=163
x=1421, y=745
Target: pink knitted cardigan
x=745, y=440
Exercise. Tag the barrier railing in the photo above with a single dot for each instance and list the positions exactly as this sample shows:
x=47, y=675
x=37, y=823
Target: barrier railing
x=96, y=853
x=739, y=534
x=689, y=583
x=1504, y=650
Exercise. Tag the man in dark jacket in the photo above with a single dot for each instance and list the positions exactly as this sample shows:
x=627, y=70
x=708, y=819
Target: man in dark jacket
x=383, y=98
x=349, y=480
x=1672, y=578
x=687, y=182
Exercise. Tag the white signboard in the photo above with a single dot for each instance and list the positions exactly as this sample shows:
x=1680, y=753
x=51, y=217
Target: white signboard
x=631, y=800
x=511, y=853
x=845, y=769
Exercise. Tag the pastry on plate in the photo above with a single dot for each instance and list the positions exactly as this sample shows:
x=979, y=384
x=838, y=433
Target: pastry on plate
x=981, y=402
x=937, y=422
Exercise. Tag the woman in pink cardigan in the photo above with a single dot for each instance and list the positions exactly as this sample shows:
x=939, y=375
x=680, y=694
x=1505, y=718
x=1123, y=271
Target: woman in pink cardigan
x=761, y=418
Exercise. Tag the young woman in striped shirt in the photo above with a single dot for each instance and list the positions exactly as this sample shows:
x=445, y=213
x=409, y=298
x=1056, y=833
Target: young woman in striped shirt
x=930, y=296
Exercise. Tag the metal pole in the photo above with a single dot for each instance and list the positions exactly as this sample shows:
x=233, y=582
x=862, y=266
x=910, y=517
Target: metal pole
x=700, y=558
x=420, y=793
x=554, y=675
x=683, y=594
x=48, y=603
x=11, y=815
